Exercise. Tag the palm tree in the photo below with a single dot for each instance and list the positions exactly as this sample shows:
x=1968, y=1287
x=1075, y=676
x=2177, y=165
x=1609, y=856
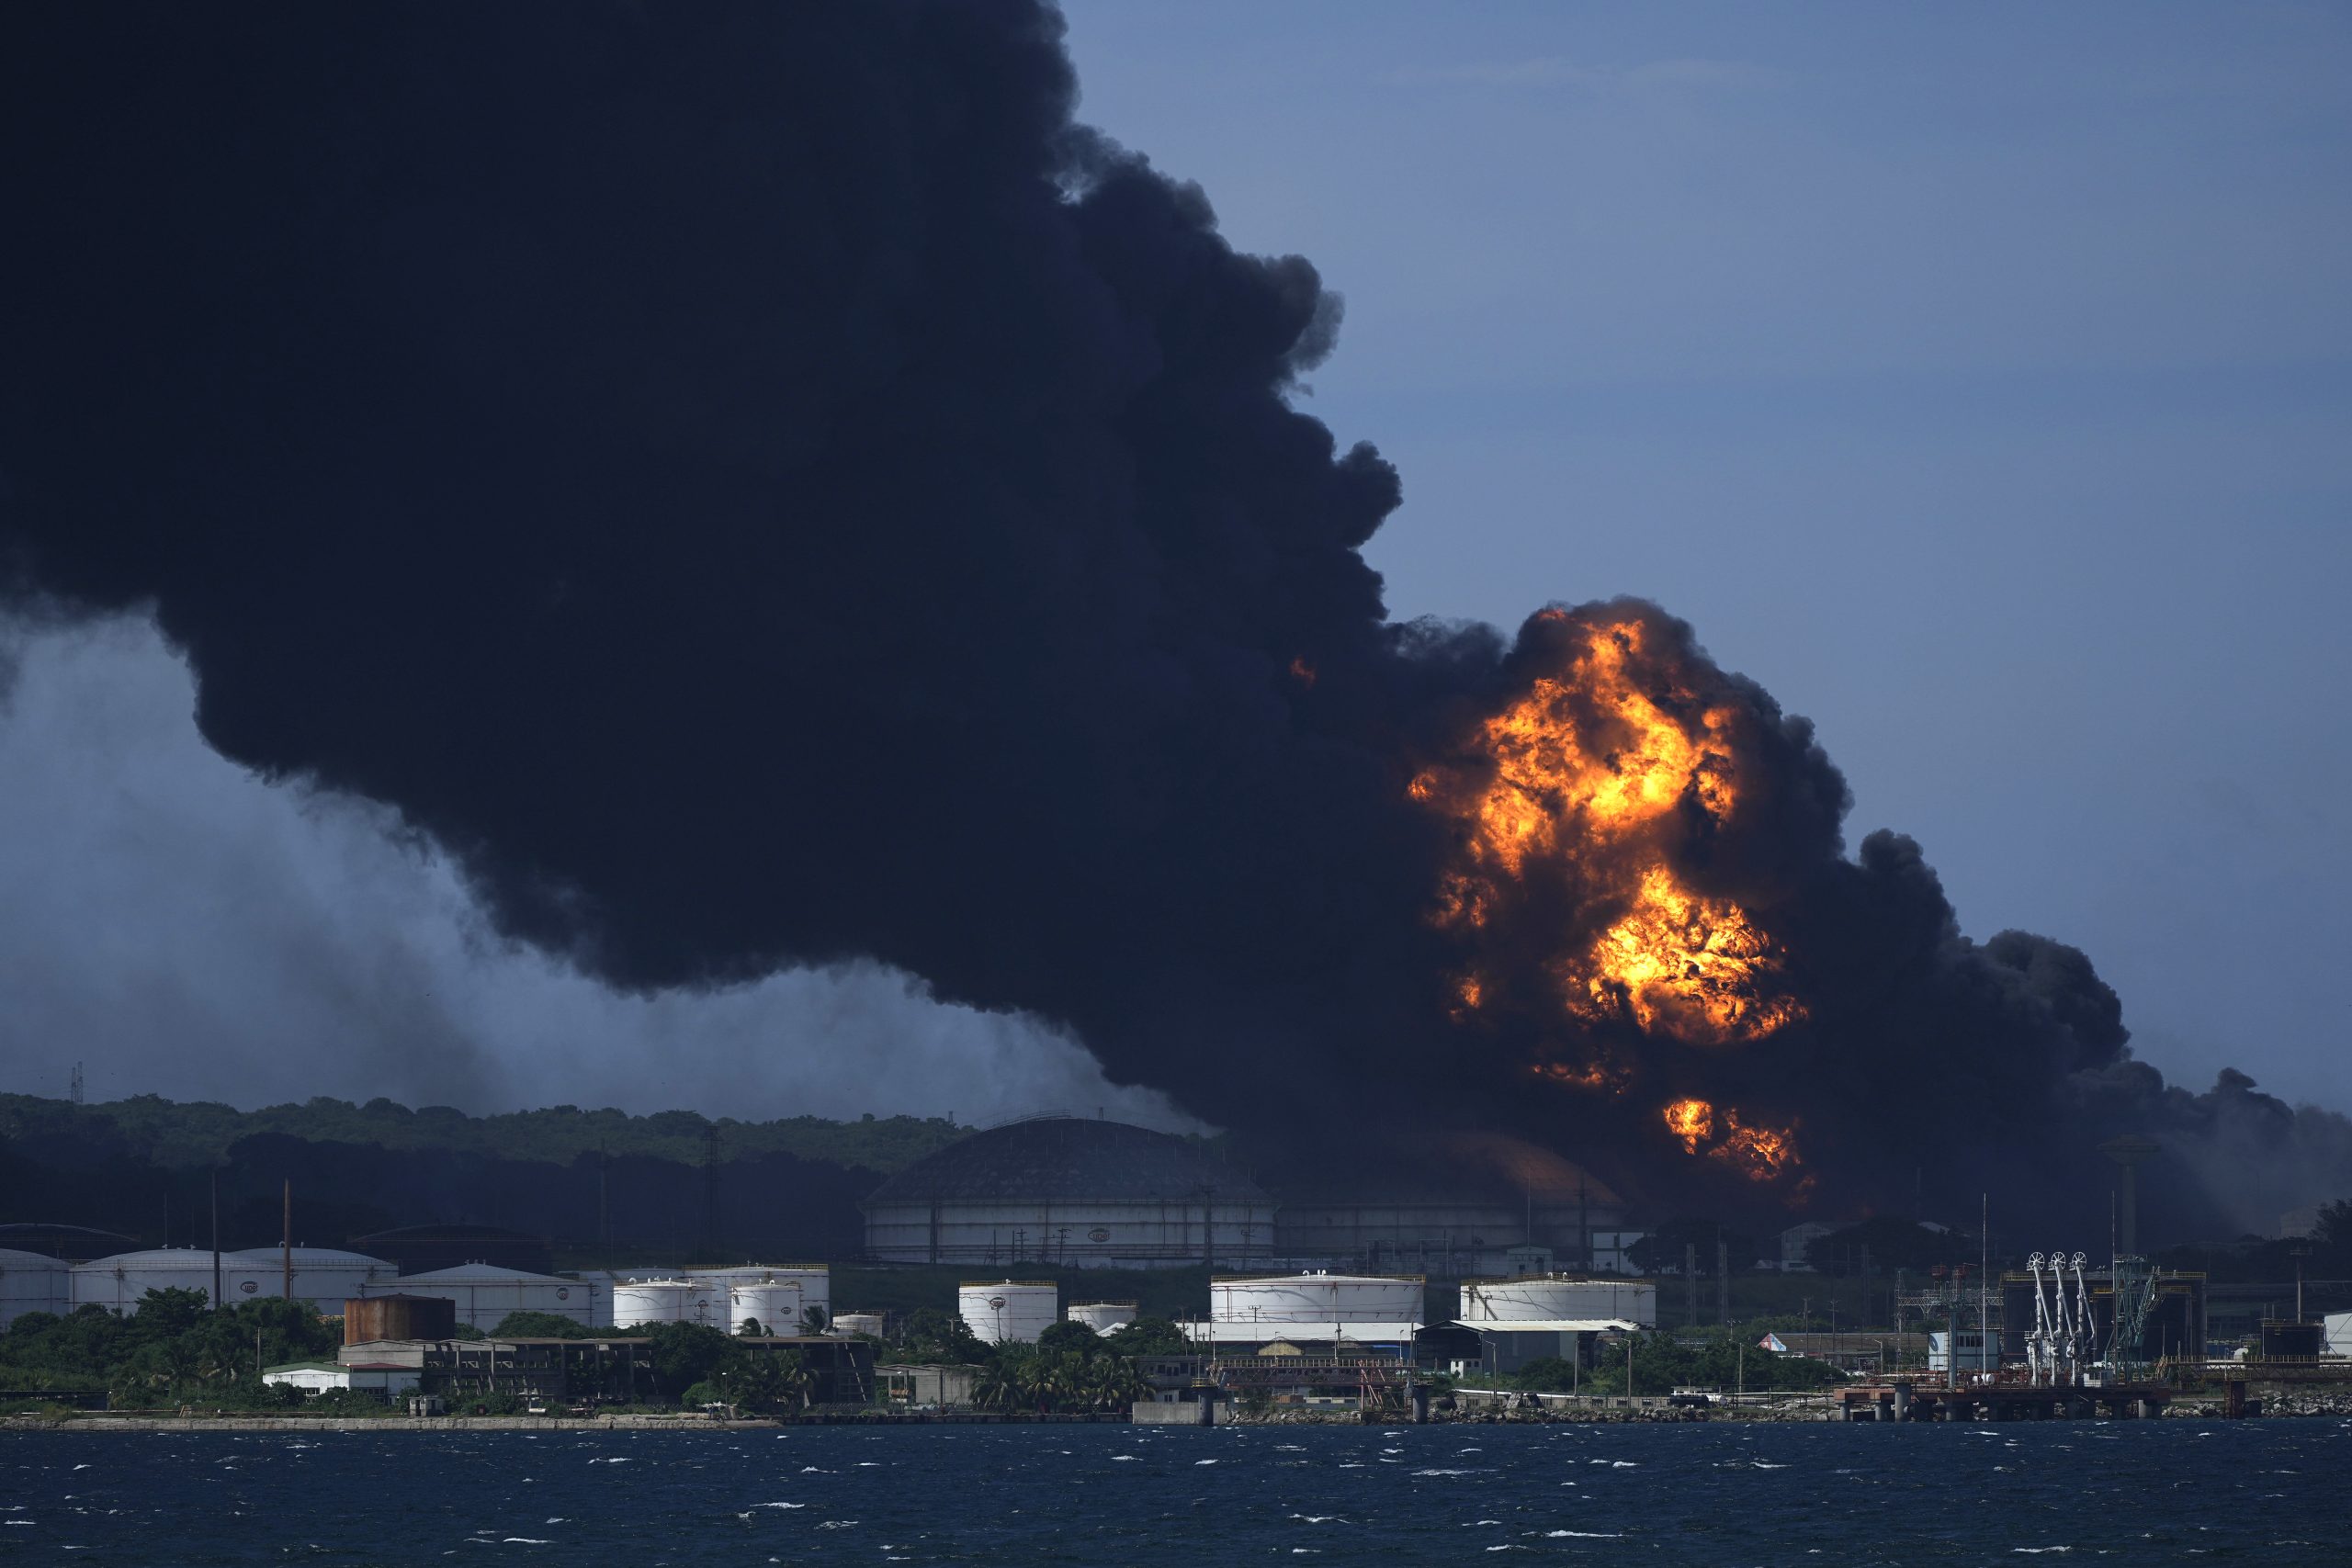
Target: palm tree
x=1115, y=1384
x=793, y=1379
x=998, y=1387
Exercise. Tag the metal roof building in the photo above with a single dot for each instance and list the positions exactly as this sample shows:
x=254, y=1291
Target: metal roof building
x=485, y=1294
x=1065, y=1190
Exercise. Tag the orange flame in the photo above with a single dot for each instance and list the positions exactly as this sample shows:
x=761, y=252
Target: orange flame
x=1302, y=672
x=1682, y=965
x=1759, y=1153
x=1756, y=1151
x=1585, y=771
x=1692, y=1121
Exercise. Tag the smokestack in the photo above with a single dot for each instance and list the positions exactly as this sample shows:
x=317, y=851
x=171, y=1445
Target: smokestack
x=2127, y=1151
x=285, y=1242
x=216, y=1238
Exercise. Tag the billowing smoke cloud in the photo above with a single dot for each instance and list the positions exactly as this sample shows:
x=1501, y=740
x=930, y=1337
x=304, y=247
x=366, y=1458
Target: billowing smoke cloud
x=763, y=484
x=178, y=927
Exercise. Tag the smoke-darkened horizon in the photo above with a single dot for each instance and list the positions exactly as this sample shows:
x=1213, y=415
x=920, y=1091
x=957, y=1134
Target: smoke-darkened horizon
x=768, y=486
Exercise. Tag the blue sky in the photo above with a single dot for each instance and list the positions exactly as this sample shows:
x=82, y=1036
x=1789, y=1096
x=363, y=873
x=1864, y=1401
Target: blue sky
x=1978, y=378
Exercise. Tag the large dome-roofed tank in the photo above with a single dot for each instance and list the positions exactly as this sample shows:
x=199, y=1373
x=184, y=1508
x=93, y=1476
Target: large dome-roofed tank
x=33, y=1281
x=120, y=1282
x=1073, y=1192
x=326, y=1277
x=1104, y=1317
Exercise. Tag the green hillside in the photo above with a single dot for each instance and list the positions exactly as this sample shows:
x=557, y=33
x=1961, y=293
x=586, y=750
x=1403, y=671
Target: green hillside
x=197, y=1133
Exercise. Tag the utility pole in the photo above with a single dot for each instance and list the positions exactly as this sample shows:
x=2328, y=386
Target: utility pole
x=1986, y=1360
x=605, y=1204
x=216, y=1238
x=286, y=1240
x=710, y=1188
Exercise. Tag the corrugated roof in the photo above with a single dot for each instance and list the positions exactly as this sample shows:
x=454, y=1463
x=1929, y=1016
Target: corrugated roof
x=1067, y=1160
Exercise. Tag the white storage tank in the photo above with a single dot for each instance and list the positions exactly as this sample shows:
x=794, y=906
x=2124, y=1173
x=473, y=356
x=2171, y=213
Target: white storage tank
x=1317, y=1298
x=1008, y=1311
x=1103, y=1317
x=33, y=1281
x=774, y=1305
x=325, y=1276
x=485, y=1294
x=866, y=1323
x=641, y=1303
x=1559, y=1298
x=808, y=1286
x=117, y=1283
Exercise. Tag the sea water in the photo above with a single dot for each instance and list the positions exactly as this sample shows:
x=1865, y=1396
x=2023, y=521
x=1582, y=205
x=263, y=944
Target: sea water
x=2139, y=1492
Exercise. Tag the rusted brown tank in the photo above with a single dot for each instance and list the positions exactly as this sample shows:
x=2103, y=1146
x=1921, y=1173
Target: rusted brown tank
x=398, y=1317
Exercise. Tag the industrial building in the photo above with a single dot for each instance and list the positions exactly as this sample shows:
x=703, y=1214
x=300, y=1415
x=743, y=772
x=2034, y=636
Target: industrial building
x=925, y=1387
x=386, y=1379
x=484, y=1293
x=619, y=1368
x=1070, y=1191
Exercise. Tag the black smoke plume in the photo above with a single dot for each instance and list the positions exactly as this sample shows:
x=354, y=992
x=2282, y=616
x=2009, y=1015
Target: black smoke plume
x=762, y=484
